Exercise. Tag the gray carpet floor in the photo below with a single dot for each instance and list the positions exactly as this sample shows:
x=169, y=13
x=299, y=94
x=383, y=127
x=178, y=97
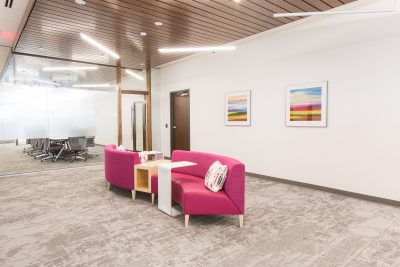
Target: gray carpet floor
x=13, y=160
x=67, y=217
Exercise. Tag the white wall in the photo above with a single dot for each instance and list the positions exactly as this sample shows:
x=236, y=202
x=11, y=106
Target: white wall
x=358, y=54
x=156, y=105
x=106, y=117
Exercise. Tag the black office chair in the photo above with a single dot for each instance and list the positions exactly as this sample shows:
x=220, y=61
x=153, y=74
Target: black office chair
x=30, y=142
x=44, y=152
x=56, y=150
x=37, y=147
x=77, y=147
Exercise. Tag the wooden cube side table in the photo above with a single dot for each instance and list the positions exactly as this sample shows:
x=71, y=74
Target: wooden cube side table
x=142, y=177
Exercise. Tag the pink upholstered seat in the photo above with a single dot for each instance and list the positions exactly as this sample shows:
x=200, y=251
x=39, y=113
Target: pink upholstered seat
x=119, y=166
x=189, y=191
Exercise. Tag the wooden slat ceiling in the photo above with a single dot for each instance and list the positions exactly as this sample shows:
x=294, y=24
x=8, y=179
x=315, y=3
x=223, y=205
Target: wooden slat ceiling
x=54, y=25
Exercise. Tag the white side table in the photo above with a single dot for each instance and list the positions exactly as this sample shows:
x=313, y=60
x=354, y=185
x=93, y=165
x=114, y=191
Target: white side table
x=164, y=186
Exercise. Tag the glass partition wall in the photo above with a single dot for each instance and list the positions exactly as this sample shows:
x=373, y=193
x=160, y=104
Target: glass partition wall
x=43, y=98
x=46, y=98
x=134, y=113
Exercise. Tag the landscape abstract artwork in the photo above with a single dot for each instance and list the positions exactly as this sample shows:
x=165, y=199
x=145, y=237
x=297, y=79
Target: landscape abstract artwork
x=307, y=105
x=237, y=108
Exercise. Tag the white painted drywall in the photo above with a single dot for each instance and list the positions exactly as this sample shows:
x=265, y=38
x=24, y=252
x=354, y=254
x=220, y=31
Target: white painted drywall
x=156, y=105
x=359, y=55
x=106, y=116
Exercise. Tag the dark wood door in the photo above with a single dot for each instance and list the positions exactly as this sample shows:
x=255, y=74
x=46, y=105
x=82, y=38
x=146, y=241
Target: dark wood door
x=180, y=120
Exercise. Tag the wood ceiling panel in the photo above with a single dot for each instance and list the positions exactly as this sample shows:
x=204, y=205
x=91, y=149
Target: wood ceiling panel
x=54, y=26
x=141, y=21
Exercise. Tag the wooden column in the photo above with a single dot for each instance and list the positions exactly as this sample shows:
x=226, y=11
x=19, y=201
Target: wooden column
x=148, y=106
x=119, y=78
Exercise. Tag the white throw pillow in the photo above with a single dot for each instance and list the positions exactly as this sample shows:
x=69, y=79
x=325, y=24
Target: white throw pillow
x=215, y=177
x=121, y=148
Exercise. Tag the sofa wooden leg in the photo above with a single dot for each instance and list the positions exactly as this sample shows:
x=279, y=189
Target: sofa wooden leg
x=133, y=194
x=241, y=220
x=108, y=185
x=186, y=220
x=152, y=198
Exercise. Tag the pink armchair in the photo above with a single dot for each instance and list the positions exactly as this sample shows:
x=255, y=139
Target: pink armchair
x=119, y=167
x=189, y=191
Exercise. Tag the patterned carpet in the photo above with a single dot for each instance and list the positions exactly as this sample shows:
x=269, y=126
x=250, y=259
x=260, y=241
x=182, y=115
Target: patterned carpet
x=14, y=161
x=68, y=218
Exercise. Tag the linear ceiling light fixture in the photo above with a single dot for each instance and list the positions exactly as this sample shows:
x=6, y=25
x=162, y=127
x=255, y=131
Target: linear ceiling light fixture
x=137, y=76
x=306, y=14
x=69, y=68
x=338, y=12
x=99, y=46
x=102, y=85
x=196, y=49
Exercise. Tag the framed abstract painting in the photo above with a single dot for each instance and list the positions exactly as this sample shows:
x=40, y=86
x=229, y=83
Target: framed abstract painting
x=238, y=108
x=306, y=105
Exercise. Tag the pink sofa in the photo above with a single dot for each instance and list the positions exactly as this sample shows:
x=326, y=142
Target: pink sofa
x=119, y=167
x=189, y=191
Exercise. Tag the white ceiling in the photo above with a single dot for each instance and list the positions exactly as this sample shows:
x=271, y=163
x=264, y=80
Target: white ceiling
x=11, y=20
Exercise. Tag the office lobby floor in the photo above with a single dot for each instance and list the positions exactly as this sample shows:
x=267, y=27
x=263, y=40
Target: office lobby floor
x=68, y=218
x=13, y=160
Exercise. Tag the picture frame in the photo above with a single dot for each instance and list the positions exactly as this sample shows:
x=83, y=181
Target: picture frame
x=306, y=105
x=238, y=108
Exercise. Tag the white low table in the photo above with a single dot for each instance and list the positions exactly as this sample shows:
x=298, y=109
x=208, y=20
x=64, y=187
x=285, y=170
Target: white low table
x=164, y=186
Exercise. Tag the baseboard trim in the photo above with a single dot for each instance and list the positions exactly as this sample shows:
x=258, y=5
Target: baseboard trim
x=329, y=190
x=7, y=141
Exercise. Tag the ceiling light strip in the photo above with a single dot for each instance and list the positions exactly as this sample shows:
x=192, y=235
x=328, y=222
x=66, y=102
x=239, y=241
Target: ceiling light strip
x=69, y=68
x=306, y=14
x=99, y=46
x=196, y=49
x=134, y=74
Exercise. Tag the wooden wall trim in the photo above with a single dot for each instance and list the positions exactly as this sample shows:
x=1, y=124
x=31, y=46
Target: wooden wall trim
x=330, y=190
x=119, y=78
x=148, y=106
x=134, y=92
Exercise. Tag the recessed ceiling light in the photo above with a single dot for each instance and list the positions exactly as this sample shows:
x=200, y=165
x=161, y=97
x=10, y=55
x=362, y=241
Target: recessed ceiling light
x=141, y=64
x=69, y=68
x=99, y=46
x=196, y=49
x=134, y=75
x=157, y=23
x=80, y=2
x=143, y=33
x=237, y=1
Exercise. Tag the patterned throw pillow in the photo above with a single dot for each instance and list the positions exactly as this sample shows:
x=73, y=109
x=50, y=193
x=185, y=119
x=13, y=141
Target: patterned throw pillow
x=215, y=177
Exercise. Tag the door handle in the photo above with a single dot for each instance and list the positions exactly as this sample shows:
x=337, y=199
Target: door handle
x=174, y=127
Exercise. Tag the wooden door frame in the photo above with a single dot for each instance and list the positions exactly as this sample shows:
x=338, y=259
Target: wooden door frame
x=171, y=117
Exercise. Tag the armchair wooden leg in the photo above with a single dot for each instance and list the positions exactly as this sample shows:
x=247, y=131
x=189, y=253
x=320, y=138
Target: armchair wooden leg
x=186, y=221
x=108, y=185
x=241, y=220
x=133, y=194
x=152, y=198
